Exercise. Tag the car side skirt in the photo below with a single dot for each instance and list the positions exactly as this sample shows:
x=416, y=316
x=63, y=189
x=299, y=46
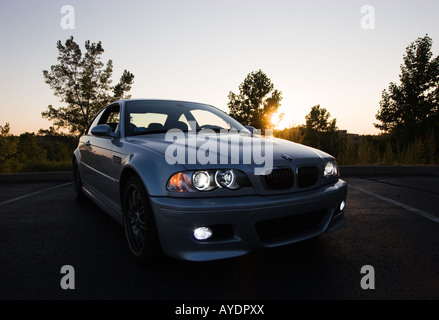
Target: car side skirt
x=111, y=210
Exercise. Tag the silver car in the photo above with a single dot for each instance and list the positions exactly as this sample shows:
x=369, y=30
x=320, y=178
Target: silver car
x=188, y=181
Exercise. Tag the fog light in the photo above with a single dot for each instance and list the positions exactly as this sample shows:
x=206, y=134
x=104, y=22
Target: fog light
x=342, y=205
x=202, y=233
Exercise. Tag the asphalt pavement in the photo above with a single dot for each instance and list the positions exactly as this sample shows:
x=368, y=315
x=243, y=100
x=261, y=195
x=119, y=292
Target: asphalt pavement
x=390, y=241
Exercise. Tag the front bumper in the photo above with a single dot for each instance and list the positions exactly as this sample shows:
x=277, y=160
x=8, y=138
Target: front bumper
x=243, y=224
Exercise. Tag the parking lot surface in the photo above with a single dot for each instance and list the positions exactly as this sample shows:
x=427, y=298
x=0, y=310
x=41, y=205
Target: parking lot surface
x=392, y=226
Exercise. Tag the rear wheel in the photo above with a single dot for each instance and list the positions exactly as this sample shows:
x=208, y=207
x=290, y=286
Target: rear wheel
x=139, y=223
x=77, y=182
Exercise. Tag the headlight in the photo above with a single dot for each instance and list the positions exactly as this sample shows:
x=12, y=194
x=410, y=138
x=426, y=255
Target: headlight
x=330, y=172
x=180, y=182
x=225, y=178
x=207, y=180
x=201, y=180
x=330, y=169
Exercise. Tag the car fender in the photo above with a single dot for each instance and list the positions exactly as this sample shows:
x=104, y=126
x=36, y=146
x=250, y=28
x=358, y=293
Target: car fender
x=153, y=170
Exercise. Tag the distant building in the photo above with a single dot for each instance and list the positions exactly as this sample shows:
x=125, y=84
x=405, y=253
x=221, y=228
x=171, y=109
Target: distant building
x=354, y=137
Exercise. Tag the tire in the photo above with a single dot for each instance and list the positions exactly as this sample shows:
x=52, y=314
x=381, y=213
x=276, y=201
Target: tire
x=139, y=223
x=77, y=183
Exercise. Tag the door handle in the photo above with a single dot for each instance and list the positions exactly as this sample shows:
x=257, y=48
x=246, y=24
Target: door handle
x=87, y=144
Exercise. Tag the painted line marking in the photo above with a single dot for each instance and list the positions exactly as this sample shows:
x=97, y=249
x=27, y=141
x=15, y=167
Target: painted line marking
x=397, y=203
x=34, y=193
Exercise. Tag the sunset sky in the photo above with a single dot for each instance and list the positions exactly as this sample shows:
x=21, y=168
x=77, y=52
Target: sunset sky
x=315, y=52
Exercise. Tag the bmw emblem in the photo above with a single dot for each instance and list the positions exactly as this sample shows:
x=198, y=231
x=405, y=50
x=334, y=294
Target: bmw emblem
x=287, y=157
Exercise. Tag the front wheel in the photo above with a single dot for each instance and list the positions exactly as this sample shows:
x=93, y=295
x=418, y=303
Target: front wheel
x=139, y=223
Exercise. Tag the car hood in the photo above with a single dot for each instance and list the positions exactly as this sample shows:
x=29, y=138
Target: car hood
x=212, y=150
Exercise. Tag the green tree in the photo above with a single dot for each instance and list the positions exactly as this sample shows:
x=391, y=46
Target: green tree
x=59, y=146
x=320, y=132
x=348, y=152
x=256, y=102
x=367, y=152
x=389, y=154
x=294, y=134
x=8, y=150
x=28, y=149
x=83, y=83
x=430, y=148
x=411, y=108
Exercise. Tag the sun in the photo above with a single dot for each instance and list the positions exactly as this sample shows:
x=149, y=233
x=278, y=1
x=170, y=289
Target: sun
x=283, y=118
x=276, y=119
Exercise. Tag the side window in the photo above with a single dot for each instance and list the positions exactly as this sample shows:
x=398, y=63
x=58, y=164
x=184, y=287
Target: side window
x=95, y=122
x=110, y=116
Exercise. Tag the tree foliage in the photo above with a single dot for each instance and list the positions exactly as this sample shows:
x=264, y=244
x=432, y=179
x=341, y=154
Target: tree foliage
x=410, y=109
x=29, y=152
x=8, y=150
x=83, y=83
x=256, y=102
x=320, y=132
x=318, y=120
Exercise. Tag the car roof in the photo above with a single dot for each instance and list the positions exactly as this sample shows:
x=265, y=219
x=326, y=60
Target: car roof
x=159, y=100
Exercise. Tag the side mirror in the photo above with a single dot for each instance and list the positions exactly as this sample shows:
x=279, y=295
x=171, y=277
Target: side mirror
x=104, y=130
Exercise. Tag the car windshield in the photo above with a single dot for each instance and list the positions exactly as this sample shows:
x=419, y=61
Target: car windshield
x=151, y=117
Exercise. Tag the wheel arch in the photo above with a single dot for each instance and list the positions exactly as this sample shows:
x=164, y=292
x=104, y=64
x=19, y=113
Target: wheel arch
x=75, y=157
x=127, y=173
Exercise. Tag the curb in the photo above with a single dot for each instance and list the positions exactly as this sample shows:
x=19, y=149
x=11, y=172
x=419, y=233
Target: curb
x=388, y=170
x=344, y=171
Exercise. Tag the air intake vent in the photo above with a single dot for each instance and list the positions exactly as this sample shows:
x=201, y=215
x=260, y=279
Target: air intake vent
x=279, y=179
x=278, y=230
x=307, y=176
x=117, y=160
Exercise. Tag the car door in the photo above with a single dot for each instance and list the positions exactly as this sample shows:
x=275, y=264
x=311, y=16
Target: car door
x=97, y=156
